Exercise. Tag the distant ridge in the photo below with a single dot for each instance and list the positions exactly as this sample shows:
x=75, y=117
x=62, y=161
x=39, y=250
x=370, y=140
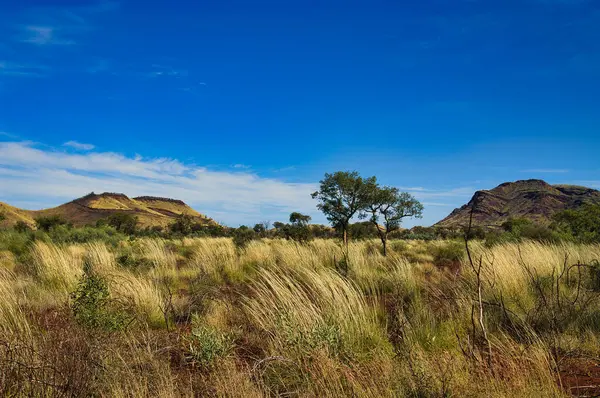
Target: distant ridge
x=86, y=210
x=535, y=200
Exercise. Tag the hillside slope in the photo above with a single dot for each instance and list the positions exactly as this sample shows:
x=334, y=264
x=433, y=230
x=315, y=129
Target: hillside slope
x=11, y=215
x=532, y=199
x=88, y=209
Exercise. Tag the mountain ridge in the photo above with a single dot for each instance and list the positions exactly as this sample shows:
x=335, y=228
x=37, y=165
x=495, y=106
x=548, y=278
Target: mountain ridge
x=533, y=199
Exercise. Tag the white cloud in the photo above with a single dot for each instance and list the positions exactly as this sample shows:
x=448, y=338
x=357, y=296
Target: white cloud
x=53, y=177
x=43, y=35
x=79, y=146
x=49, y=177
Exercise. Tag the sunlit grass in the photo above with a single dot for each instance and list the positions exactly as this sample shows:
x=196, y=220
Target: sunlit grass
x=278, y=317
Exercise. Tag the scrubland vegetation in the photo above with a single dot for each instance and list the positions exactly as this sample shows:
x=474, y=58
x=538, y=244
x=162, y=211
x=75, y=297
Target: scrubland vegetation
x=303, y=310
x=271, y=317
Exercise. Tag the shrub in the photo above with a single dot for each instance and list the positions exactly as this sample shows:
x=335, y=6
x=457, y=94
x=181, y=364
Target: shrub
x=22, y=227
x=47, y=223
x=182, y=225
x=207, y=345
x=92, y=306
x=242, y=236
x=123, y=222
x=582, y=224
x=64, y=234
x=447, y=254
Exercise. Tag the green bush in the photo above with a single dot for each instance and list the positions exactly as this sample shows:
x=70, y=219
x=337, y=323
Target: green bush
x=132, y=261
x=582, y=224
x=207, y=345
x=93, y=307
x=242, y=236
x=123, y=222
x=448, y=253
x=47, y=223
x=64, y=234
x=22, y=227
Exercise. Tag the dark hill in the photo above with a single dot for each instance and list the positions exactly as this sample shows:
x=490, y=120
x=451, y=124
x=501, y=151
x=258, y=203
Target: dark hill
x=535, y=200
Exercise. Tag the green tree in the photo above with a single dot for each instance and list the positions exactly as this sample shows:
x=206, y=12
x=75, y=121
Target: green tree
x=2, y=217
x=583, y=223
x=341, y=196
x=387, y=207
x=298, y=229
x=242, y=236
x=259, y=229
x=184, y=224
x=123, y=222
x=516, y=224
x=299, y=219
x=47, y=223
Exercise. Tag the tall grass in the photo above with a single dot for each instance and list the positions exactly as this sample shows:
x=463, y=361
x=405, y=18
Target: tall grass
x=280, y=318
x=304, y=309
x=56, y=266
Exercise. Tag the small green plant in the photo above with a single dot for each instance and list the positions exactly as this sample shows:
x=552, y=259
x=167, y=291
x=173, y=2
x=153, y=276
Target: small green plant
x=323, y=335
x=22, y=227
x=207, y=345
x=129, y=260
x=93, y=307
x=447, y=254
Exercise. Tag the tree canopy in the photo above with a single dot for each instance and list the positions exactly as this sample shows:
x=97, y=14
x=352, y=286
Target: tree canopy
x=344, y=194
x=341, y=196
x=386, y=207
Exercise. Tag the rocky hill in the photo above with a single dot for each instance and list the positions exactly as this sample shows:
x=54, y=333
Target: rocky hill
x=90, y=208
x=532, y=199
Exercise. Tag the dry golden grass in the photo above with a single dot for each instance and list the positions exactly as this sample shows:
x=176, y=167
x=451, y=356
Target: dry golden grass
x=13, y=321
x=58, y=267
x=298, y=325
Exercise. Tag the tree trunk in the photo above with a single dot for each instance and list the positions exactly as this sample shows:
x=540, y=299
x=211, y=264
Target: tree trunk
x=384, y=242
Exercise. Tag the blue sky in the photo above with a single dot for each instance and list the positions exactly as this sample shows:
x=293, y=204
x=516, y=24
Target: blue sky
x=240, y=107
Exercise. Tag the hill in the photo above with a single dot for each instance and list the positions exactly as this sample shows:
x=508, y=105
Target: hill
x=535, y=200
x=88, y=209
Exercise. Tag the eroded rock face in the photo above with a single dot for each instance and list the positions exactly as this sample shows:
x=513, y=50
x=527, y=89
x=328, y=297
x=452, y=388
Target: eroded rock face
x=532, y=199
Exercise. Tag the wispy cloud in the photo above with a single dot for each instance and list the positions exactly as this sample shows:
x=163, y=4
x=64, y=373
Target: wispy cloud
x=5, y=134
x=43, y=35
x=423, y=193
x=21, y=70
x=79, y=146
x=546, y=171
x=240, y=166
x=53, y=176
x=436, y=204
x=166, y=71
x=59, y=25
